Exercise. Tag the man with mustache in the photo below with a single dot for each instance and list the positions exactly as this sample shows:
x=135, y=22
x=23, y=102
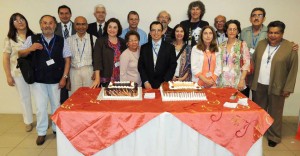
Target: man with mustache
x=165, y=18
x=50, y=57
x=253, y=34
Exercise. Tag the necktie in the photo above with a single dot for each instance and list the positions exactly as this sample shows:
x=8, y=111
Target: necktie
x=100, y=30
x=66, y=32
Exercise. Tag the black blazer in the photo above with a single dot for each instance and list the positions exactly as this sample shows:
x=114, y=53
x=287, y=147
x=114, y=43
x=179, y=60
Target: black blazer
x=58, y=30
x=165, y=65
x=92, y=29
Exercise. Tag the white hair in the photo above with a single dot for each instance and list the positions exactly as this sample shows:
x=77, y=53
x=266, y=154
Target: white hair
x=99, y=6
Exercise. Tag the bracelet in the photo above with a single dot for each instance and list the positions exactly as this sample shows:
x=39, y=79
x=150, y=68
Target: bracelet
x=66, y=76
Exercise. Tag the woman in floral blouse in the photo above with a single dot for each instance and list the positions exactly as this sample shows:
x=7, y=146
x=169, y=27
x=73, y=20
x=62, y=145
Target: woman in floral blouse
x=235, y=58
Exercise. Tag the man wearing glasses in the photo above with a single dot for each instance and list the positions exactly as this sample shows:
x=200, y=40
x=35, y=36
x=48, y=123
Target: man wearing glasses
x=133, y=20
x=220, y=21
x=81, y=59
x=157, y=61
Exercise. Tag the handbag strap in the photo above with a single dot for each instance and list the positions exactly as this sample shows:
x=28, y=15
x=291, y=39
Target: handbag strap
x=180, y=52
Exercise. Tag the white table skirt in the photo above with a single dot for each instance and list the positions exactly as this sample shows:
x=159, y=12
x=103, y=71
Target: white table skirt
x=164, y=135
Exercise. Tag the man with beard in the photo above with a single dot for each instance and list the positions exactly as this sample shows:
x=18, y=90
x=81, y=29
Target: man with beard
x=165, y=18
x=50, y=57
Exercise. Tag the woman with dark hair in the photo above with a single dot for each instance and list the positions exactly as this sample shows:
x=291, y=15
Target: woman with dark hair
x=235, y=58
x=205, y=59
x=106, y=56
x=18, y=32
x=194, y=24
x=130, y=57
x=183, y=54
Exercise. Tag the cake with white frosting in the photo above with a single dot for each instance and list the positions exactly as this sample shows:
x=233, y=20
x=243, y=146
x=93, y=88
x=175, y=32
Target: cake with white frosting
x=181, y=91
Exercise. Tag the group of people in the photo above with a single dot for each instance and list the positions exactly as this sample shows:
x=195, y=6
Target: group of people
x=72, y=55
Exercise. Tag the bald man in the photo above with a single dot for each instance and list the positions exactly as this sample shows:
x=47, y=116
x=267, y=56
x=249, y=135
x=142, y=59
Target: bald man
x=220, y=21
x=81, y=59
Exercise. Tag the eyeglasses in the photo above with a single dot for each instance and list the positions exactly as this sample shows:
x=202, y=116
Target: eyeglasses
x=221, y=22
x=156, y=30
x=21, y=20
x=257, y=15
x=80, y=24
x=164, y=17
x=232, y=29
x=133, y=41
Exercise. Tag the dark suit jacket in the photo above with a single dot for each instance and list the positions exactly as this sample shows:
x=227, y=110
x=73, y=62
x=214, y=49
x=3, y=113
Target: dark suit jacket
x=58, y=30
x=92, y=29
x=165, y=64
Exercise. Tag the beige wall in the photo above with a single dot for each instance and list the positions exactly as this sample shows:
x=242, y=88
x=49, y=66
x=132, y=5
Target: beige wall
x=286, y=11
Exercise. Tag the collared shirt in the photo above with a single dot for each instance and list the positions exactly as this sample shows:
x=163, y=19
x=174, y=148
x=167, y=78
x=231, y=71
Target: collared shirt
x=81, y=50
x=69, y=27
x=102, y=26
x=142, y=33
x=155, y=50
x=221, y=38
x=66, y=49
x=12, y=48
x=265, y=68
x=247, y=36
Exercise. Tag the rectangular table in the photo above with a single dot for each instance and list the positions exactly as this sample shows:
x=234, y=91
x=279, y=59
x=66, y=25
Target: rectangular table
x=152, y=127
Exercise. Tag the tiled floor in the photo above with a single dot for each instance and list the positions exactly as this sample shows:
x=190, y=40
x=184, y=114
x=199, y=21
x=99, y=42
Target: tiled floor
x=14, y=141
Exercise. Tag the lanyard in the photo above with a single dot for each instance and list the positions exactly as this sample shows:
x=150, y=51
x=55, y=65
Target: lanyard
x=227, y=56
x=82, y=48
x=46, y=47
x=154, y=50
x=209, y=60
x=270, y=54
x=254, y=41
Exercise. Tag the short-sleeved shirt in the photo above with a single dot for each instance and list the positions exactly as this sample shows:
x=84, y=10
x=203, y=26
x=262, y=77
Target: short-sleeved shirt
x=66, y=49
x=12, y=48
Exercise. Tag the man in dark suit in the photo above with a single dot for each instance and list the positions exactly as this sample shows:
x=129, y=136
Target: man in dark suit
x=65, y=28
x=96, y=28
x=157, y=62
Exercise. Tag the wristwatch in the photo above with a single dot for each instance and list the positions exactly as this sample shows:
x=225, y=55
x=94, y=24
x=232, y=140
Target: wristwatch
x=66, y=76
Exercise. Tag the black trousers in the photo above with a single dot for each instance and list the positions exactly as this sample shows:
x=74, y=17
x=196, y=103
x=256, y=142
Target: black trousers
x=64, y=95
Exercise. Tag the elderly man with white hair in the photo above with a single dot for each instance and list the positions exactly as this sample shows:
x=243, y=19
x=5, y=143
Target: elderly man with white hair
x=96, y=28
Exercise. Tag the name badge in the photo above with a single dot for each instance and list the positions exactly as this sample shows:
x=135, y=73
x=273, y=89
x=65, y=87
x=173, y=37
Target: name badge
x=209, y=74
x=117, y=64
x=251, y=50
x=225, y=69
x=50, y=62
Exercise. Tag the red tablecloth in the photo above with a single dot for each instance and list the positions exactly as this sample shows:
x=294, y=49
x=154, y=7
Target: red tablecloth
x=92, y=125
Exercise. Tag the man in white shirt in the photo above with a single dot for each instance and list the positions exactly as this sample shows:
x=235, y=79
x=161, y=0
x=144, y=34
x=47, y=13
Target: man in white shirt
x=81, y=60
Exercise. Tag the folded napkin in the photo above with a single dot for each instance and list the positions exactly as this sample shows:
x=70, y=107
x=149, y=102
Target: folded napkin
x=243, y=101
x=230, y=105
x=149, y=96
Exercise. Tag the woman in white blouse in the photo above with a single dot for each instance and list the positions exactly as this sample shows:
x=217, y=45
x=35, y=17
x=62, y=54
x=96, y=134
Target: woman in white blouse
x=129, y=59
x=205, y=59
x=17, y=34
